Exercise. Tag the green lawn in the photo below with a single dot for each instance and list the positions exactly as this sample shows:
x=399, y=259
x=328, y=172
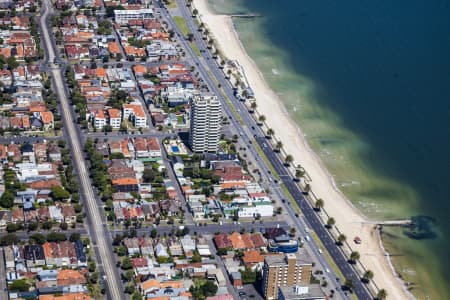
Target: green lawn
x=266, y=161
x=195, y=48
x=172, y=4
x=181, y=23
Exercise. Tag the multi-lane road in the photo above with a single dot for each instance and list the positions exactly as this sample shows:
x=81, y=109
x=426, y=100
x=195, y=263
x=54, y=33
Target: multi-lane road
x=207, y=62
x=96, y=228
x=213, y=76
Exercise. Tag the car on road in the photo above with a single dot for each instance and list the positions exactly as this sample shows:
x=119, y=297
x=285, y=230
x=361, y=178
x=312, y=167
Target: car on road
x=307, y=238
x=241, y=293
x=320, y=251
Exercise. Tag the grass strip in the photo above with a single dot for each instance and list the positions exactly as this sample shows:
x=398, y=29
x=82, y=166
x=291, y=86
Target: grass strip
x=181, y=23
x=327, y=256
x=291, y=199
x=195, y=48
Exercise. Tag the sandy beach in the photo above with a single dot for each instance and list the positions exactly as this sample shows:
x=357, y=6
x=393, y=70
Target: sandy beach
x=348, y=219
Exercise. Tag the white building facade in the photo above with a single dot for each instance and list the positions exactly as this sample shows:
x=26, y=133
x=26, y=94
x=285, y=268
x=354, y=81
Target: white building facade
x=206, y=116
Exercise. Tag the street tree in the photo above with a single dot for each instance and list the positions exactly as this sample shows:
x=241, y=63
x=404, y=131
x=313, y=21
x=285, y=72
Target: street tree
x=7, y=199
x=288, y=159
x=354, y=257
x=382, y=294
x=319, y=204
x=341, y=239
x=368, y=275
x=330, y=222
x=261, y=119
x=349, y=285
x=278, y=146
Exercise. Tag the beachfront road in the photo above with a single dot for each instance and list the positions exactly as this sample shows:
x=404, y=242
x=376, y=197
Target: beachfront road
x=210, y=64
x=95, y=223
x=314, y=221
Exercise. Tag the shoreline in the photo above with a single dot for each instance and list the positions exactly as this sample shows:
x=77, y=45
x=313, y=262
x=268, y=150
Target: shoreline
x=349, y=219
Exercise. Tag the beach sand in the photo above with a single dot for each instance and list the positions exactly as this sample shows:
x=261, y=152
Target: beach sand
x=348, y=219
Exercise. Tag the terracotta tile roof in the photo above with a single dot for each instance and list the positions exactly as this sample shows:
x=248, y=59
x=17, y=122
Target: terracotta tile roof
x=47, y=117
x=37, y=106
x=231, y=173
x=236, y=240
x=114, y=113
x=153, y=144
x=151, y=283
x=74, y=296
x=6, y=52
x=68, y=277
x=100, y=72
x=222, y=241
x=113, y=47
x=252, y=257
x=44, y=184
x=246, y=238
x=258, y=240
x=233, y=185
x=139, y=69
x=139, y=262
x=124, y=181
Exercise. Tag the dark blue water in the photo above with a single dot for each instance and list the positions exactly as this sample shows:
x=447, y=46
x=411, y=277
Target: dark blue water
x=384, y=67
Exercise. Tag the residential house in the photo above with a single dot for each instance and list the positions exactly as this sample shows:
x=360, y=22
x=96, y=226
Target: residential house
x=34, y=255
x=115, y=118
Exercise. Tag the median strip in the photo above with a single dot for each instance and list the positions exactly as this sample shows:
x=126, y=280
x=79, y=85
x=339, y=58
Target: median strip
x=181, y=23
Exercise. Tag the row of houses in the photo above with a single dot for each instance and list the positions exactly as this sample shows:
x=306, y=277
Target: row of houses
x=24, y=101
x=20, y=259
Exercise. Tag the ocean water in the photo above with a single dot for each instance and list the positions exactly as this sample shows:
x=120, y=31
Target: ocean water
x=369, y=83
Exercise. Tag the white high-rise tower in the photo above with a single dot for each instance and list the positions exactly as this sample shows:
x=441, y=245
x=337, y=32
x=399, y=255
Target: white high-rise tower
x=206, y=116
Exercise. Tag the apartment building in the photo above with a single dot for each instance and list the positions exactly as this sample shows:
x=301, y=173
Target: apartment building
x=285, y=270
x=206, y=117
x=122, y=17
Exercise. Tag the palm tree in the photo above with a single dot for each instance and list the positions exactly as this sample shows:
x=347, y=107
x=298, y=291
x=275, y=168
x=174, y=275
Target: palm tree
x=331, y=221
x=261, y=119
x=341, y=239
x=253, y=106
x=278, y=146
x=382, y=294
x=270, y=132
x=354, y=256
x=229, y=73
x=195, y=12
x=299, y=171
x=368, y=275
x=319, y=204
x=307, y=189
x=288, y=160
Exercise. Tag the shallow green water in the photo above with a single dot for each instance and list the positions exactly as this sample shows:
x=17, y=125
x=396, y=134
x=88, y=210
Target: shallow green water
x=368, y=84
